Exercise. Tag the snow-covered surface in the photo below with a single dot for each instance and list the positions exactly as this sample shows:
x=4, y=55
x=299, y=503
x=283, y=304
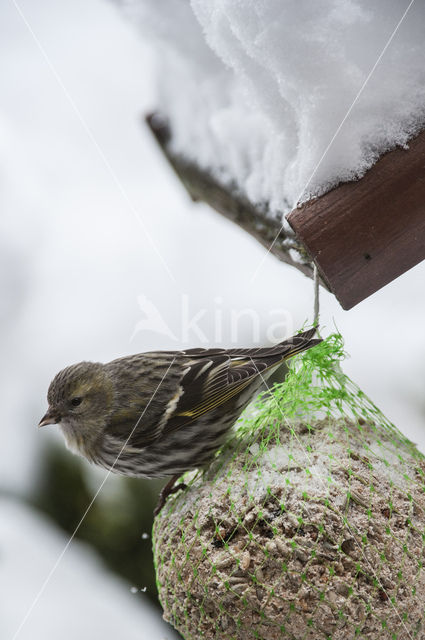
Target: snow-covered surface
x=81, y=599
x=256, y=90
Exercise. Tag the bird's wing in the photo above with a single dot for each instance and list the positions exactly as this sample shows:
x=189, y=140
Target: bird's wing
x=196, y=382
x=211, y=382
x=286, y=349
x=215, y=376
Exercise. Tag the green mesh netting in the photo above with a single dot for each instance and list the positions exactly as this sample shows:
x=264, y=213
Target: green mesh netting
x=308, y=524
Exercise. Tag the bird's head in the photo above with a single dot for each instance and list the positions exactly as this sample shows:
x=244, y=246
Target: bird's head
x=80, y=399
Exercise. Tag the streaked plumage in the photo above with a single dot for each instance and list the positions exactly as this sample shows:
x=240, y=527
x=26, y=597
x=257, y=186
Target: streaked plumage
x=161, y=413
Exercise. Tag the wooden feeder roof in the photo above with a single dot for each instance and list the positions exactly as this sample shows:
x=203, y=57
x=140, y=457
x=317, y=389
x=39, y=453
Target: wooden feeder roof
x=361, y=235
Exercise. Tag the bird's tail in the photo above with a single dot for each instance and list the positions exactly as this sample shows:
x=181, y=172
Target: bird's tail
x=282, y=351
x=298, y=343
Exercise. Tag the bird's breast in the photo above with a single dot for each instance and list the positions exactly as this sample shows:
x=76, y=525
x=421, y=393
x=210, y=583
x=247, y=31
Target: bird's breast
x=73, y=442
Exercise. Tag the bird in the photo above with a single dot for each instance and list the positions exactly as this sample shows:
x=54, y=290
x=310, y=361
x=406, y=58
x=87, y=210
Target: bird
x=161, y=413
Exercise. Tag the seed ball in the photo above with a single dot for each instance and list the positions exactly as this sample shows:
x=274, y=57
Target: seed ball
x=314, y=532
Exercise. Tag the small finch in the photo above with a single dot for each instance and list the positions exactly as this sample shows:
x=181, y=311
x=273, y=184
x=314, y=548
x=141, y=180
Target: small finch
x=160, y=413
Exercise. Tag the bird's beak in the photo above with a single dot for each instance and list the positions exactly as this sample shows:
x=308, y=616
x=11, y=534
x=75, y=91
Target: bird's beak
x=49, y=418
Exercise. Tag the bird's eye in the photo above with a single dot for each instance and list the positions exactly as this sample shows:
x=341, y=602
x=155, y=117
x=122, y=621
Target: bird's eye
x=76, y=401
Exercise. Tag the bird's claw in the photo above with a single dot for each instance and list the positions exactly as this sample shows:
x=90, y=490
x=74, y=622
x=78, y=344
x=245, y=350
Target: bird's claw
x=169, y=489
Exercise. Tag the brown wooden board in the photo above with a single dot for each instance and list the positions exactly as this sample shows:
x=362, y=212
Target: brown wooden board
x=364, y=234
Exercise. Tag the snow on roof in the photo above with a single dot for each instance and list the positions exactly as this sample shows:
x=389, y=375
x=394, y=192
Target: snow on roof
x=256, y=90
